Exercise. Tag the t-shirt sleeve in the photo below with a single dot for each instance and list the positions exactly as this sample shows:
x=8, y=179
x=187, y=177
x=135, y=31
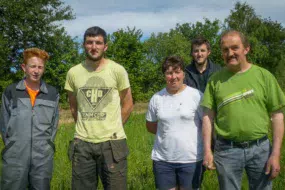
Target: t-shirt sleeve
x=275, y=96
x=69, y=82
x=151, y=114
x=123, y=79
x=208, y=98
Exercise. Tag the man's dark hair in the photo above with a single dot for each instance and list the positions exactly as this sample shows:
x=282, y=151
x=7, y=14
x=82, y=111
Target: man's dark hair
x=243, y=38
x=175, y=62
x=95, y=31
x=198, y=41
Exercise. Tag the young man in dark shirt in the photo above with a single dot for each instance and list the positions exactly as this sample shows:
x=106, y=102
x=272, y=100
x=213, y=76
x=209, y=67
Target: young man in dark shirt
x=201, y=67
x=197, y=75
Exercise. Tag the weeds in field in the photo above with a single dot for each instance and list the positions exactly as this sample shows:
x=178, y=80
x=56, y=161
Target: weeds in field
x=140, y=176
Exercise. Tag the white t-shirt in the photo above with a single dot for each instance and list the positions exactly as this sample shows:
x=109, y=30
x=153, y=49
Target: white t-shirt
x=179, y=126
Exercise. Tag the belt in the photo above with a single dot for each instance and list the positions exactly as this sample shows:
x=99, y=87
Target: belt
x=244, y=144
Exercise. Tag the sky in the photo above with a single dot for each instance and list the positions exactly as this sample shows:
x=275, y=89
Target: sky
x=153, y=16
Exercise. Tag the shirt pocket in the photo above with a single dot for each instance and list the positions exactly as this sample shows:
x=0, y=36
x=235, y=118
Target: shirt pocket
x=45, y=112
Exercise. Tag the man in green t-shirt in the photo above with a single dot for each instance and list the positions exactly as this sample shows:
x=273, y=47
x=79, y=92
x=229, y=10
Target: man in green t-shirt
x=244, y=100
x=100, y=101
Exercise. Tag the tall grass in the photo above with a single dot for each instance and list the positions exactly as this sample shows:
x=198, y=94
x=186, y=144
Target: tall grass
x=140, y=176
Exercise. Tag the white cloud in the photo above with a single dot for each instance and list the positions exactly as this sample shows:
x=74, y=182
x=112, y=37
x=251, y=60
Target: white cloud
x=158, y=15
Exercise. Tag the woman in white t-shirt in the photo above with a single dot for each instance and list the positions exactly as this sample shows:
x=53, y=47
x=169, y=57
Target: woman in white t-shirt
x=175, y=116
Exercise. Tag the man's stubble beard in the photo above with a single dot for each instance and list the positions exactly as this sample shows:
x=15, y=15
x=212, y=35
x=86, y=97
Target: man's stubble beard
x=203, y=63
x=90, y=57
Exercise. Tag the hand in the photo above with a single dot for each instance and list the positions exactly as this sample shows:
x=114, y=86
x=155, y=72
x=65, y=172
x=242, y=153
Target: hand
x=273, y=166
x=209, y=161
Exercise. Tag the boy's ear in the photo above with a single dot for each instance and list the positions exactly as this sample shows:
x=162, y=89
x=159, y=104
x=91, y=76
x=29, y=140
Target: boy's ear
x=23, y=66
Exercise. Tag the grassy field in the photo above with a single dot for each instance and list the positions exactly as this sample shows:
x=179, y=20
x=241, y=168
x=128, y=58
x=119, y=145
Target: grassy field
x=140, y=176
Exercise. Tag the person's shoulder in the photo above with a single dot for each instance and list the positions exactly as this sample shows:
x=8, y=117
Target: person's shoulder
x=219, y=74
x=162, y=92
x=10, y=88
x=193, y=91
x=190, y=67
x=76, y=70
x=157, y=97
x=76, y=67
x=114, y=65
x=159, y=94
x=12, y=85
x=262, y=70
x=50, y=89
x=215, y=66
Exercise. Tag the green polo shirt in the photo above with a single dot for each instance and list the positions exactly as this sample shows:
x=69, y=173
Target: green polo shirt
x=243, y=102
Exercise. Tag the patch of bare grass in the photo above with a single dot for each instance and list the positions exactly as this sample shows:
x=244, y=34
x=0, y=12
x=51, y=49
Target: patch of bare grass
x=140, y=107
x=65, y=116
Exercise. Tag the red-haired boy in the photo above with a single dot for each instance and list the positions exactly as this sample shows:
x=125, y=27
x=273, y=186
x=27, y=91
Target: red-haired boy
x=29, y=118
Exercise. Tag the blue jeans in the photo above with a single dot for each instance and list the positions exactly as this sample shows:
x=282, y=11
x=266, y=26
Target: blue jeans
x=231, y=161
x=185, y=175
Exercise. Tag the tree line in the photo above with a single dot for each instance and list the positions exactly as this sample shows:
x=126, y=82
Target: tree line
x=35, y=23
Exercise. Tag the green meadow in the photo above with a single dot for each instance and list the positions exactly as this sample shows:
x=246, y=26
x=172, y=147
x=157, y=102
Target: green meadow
x=140, y=176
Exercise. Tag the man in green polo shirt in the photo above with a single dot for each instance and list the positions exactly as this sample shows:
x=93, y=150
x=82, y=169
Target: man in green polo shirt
x=244, y=100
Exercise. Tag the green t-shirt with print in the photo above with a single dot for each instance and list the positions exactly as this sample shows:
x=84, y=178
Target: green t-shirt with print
x=243, y=102
x=98, y=101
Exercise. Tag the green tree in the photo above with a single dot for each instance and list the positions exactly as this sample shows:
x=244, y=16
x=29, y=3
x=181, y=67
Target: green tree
x=4, y=68
x=125, y=47
x=243, y=18
x=64, y=53
x=267, y=38
x=209, y=30
x=157, y=48
x=35, y=23
x=161, y=45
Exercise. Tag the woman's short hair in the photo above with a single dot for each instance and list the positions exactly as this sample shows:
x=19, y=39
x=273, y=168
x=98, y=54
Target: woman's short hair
x=175, y=62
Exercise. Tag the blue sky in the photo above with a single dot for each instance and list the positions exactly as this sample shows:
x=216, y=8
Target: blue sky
x=158, y=15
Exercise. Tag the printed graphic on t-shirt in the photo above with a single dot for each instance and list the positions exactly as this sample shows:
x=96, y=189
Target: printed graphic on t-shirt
x=94, y=96
x=236, y=97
